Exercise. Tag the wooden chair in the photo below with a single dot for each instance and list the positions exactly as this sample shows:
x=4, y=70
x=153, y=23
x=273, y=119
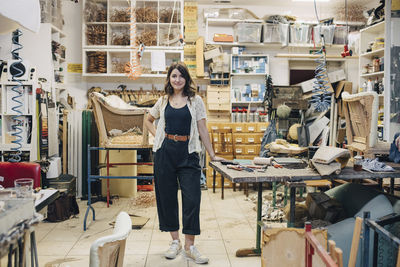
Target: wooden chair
x=109, y=251
x=108, y=118
x=361, y=113
x=223, y=145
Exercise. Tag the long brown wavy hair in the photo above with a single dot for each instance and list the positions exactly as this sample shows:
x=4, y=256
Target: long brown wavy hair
x=189, y=89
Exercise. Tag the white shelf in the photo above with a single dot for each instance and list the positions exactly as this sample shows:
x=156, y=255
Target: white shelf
x=247, y=74
x=379, y=73
x=95, y=23
x=246, y=102
x=375, y=29
x=230, y=22
x=123, y=75
x=377, y=53
x=25, y=147
x=24, y=83
x=251, y=55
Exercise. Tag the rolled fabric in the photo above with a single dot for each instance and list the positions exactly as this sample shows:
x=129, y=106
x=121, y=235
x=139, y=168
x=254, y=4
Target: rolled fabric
x=263, y=161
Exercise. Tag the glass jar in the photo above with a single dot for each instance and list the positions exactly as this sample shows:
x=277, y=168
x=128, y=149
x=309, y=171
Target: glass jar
x=357, y=166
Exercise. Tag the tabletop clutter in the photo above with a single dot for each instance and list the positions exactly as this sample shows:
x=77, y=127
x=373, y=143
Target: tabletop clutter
x=327, y=160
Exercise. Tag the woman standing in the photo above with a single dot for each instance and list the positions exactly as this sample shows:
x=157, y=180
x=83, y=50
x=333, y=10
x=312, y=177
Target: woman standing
x=182, y=119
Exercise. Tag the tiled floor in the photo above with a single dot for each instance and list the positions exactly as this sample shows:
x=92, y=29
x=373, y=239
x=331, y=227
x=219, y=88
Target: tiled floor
x=226, y=226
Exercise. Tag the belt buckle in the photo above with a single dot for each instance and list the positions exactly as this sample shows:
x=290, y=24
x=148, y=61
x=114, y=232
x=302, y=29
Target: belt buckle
x=175, y=138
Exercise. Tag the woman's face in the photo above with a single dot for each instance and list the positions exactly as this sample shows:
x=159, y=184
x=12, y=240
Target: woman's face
x=177, y=80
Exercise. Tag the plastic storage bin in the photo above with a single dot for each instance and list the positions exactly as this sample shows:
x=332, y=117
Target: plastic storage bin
x=276, y=33
x=340, y=35
x=327, y=30
x=300, y=34
x=248, y=32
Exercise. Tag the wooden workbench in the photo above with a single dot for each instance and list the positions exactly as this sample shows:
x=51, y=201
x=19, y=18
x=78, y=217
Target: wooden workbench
x=294, y=178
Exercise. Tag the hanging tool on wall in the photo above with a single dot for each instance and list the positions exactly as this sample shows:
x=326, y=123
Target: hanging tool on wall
x=346, y=52
x=18, y=70
x=321, y=98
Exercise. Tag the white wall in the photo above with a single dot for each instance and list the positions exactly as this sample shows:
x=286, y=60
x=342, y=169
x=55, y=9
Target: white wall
x=78, y=86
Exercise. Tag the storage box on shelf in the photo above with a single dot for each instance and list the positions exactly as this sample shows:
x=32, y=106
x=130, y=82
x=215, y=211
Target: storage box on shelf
x=27, y=123
x=108, y=28
x=218, y=103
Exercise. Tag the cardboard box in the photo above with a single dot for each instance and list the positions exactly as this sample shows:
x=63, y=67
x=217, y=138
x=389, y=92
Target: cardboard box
x=222, y=37
x=217, y=51
x=336, y=76
x=308, y=86
x=343, y=86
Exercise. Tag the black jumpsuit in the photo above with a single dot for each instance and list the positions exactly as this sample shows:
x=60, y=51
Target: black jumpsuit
x=173, y=163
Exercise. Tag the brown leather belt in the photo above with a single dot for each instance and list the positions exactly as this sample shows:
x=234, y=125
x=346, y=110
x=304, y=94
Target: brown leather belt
x=177, y=138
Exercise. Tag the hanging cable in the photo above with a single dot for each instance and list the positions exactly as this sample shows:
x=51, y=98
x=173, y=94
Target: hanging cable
x=17, y=70
x=321, y=99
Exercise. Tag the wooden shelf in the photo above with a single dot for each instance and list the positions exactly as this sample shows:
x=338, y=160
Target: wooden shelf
x=313, y=57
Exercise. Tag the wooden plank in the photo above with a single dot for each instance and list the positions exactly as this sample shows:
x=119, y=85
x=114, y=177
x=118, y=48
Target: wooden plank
x=398, y=258
x=289, y=244
x=200, y=57
x=339, y=257
x=355, y=242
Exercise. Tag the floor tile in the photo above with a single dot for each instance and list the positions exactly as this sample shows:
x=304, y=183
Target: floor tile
x=226, y=225
x=54, y=248
x=159, y=260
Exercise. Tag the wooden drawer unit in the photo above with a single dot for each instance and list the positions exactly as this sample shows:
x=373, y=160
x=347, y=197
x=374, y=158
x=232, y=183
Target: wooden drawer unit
x=252, y=150
x=253, y=138
x=239, y=138
x=218, y=96
x=240, y=149
x=262, y=126
x=219, y=116
x=219, y=107
x=217, y=125
x=250, y=127
x=238, y=128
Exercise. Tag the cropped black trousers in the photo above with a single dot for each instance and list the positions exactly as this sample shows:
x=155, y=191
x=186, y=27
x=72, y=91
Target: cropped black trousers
x=172, y=165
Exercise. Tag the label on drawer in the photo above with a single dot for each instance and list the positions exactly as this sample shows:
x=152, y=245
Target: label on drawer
x=239, y=150
x=214, y=127
x=238, y=128
x=250, y=140
x=238, y=140
x=251, y=151
x=251, y=129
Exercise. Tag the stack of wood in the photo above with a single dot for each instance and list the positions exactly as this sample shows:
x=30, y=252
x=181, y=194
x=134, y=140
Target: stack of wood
x=147, y=37
x=121, y=15
x=97, y=62
x=96, y=34
x=146, y=14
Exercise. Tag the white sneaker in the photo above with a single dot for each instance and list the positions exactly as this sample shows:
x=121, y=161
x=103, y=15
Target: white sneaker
x=174, y=249
x=194, y=255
